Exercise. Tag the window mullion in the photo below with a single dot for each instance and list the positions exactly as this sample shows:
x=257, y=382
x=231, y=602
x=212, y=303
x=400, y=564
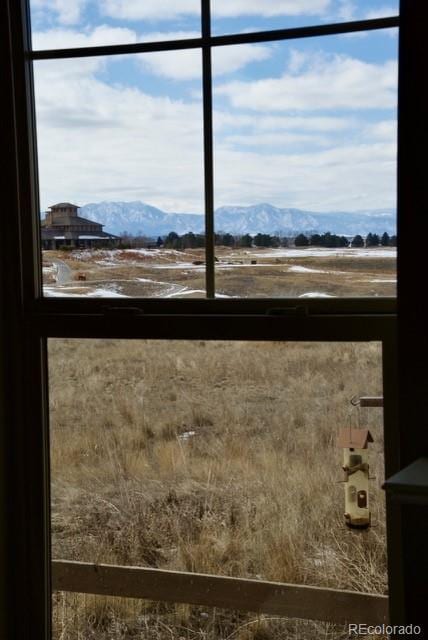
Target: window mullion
x=208, y=149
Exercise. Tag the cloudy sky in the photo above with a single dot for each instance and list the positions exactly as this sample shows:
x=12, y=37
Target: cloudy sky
x=308, y=124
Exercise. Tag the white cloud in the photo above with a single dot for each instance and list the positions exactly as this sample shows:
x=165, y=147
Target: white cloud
x=325, y=82
x=149, y=9
x=263, y=123
x=171, y=9
x=188, y=65
x=102, y=142
x=67, y=12
x=268, y=8
x=98, y=142
x=276, y=139
x=307, y=123
x=63, y=38
x=385, y=130
x=381, y=12
x=349, y=177
x=346, y=10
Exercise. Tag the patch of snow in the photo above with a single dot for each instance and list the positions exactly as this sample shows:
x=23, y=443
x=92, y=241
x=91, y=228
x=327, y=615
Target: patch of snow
x=298, y=269
x=316, y=294
x=178, y=265
x=183, y=291
x=56, y=292
x=186, y=435
x=319, y=252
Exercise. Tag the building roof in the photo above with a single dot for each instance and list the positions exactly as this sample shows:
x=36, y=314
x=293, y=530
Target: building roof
x=65, y=220
x=354, y=438
x=51, y=234
x=63, y=204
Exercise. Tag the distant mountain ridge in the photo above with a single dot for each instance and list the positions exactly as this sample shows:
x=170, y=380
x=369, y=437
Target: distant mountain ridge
x=140, y=218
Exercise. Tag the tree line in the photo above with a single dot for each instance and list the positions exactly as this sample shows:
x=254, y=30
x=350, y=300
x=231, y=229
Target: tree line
x=331, y=240
x=192, y=240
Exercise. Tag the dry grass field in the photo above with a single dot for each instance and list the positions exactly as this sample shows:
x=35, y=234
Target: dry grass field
x=239, y=272
x=211, y=457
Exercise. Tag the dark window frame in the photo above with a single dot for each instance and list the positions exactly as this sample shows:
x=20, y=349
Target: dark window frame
x=27, y=321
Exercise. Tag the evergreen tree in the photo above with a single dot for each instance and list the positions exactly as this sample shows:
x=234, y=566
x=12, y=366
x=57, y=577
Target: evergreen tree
x=393, y=241
x=372, y=240
x=385, y=240
x=357, y=241
x=246, y=241
x=172, y=241
x=315, y=240
x=228, y=240
x=301, y=240
x=263, y=240
x=159, y=242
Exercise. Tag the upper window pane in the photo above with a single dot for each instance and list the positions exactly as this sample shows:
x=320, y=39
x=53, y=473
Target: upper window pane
x=233, y=16
x=305, y=166
x=121, y=166
x=58, y=24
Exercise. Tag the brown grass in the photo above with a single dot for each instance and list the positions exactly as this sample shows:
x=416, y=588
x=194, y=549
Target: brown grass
x=235, y=276
x=253, y=492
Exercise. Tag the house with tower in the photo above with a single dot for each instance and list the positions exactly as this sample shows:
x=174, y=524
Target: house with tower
x=62, y=226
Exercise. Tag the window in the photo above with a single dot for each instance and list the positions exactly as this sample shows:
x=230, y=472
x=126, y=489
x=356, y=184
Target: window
x=39, y=319
x=229, y=151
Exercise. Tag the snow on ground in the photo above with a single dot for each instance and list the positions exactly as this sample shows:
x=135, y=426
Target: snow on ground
x=70, y=292
x=393, y=280
x=316, y=294
x=178, y=265
x=298, y=269
x=320, y=252
x=186, y=435
x=51, y=269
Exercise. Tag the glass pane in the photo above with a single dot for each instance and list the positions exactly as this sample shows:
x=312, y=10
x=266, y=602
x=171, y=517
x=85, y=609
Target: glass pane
x=84, y=616
x=305, y=167
x=237, y=16
x=218, y=458
x=58, y=24
x=120, y=152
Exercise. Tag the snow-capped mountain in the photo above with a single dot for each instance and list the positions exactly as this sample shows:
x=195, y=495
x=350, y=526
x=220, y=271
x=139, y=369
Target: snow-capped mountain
x=140, y=218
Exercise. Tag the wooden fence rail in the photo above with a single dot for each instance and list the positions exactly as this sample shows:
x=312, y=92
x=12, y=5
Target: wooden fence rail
x=288, y=600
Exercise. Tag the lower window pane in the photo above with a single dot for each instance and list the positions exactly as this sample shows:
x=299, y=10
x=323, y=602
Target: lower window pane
x=218, y=458
x=77, y=615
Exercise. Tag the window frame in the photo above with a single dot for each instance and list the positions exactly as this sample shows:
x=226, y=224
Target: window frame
x=28, y=320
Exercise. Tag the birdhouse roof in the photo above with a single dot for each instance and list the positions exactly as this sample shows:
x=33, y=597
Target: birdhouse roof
x=354, y=438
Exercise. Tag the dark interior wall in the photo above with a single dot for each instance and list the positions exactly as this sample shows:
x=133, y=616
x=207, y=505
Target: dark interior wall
x=412, y=296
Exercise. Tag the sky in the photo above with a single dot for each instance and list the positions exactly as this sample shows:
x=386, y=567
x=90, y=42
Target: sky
x=307, y=123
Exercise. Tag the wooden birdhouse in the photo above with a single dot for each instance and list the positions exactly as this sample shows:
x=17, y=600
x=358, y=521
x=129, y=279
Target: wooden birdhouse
x=356, y=480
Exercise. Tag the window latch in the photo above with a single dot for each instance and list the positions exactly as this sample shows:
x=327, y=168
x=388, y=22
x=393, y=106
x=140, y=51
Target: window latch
x=117, y=311
x=299, y=311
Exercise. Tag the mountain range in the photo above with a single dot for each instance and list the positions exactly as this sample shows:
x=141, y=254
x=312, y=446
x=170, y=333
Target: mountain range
x=138, y=218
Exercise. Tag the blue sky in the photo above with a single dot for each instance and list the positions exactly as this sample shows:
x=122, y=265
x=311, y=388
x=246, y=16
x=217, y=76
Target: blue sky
x=305, y=123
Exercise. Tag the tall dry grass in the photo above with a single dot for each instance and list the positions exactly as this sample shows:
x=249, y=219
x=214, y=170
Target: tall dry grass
x=212, y=457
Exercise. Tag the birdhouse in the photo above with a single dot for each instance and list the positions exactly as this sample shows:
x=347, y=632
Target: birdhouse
x=356, y=479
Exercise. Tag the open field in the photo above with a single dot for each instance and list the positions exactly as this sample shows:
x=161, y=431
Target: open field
x=306, y=272
x=211, y=457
